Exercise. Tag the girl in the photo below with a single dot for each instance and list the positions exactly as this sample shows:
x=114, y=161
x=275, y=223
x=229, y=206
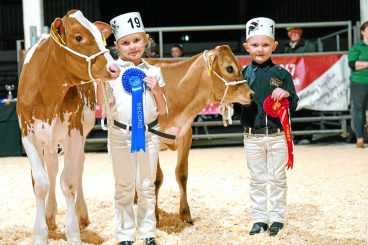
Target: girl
x=134, y=167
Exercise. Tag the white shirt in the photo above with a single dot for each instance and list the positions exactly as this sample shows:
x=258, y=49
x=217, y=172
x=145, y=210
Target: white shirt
x=122, y=111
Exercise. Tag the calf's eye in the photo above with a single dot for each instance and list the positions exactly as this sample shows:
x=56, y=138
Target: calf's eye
x=230, y=69
x=79, y=38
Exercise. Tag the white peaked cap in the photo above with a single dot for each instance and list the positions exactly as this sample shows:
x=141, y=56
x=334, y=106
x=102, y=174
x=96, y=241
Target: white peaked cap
x=260, y=26
x=126, y=24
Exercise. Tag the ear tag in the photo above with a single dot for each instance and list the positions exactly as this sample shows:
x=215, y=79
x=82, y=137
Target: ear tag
x=104, y=40
x=60, y=40
x=210, y=69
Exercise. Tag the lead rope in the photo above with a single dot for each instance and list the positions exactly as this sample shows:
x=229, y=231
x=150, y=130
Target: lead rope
x=58, y=39
x=106, y=108
x=88, y=59
x=224, y=107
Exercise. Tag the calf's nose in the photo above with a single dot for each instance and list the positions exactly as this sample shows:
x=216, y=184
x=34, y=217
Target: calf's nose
x=114, y=70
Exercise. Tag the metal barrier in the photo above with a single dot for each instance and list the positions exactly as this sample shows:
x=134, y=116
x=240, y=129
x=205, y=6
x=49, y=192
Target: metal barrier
x=162, y=30
x=236, y=132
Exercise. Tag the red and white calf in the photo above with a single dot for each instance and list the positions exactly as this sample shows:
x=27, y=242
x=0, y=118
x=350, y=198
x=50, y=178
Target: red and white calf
x=56, y=106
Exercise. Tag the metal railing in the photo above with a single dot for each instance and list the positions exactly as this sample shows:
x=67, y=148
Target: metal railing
x=341, y=120
x=162, y=30
x=337, y=35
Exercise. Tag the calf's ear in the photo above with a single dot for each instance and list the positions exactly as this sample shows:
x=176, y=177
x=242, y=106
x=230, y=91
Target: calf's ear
x=105, y=28
x=57, y=25
x=212, y=59
x=58, y=30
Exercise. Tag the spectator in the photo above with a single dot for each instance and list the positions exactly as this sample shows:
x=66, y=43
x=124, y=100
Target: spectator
x=358, y=62
x=177, y=51
x=297, y=44
x=114, y=52
x=152, y=54
x=151, y=49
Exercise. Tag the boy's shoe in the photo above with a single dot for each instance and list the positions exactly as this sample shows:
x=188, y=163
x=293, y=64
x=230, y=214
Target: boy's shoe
x=275, y=228
x=258, y=228
x=150, y=241
x=126, y=243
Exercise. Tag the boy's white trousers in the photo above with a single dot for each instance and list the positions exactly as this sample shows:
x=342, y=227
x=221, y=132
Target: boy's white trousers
x=134, y=171
x=266, y=158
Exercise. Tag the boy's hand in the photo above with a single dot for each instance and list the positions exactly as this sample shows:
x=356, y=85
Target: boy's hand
x=279, y=93
x=152, y=84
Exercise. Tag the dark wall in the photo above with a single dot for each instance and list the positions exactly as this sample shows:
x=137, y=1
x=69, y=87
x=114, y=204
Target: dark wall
x=183, y=13
x=220, y=12
x=11, y=16
x=217, y=12
x=11, y=23
x=58, y=8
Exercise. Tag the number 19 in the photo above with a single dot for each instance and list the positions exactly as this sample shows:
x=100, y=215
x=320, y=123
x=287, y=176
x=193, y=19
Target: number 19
x=136, y=22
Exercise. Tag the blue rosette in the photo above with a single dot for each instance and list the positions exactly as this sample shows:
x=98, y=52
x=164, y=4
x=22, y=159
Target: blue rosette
x=133, y=77
x=132, y=81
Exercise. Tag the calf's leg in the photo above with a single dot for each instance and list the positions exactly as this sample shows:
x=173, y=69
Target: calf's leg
x=51, y=162
x=41, y=185
x=158, y=183
x=181, y=172
x=80, y=205
x=69, y=182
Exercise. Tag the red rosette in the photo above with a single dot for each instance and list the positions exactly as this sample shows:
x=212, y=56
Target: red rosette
x=279, y=109
x=272, y=107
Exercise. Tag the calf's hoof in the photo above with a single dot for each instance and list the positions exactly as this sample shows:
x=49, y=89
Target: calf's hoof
x=39, y=240
x=51, y=224
x=187, y=219
x=40, y=235
x=83, y=223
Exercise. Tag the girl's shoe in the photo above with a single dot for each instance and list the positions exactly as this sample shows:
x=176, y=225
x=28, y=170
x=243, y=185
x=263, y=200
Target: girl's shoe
x=126, y=243
x=150, y=241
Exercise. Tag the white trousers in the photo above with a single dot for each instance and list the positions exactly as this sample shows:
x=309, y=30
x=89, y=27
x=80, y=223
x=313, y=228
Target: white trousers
x=266, y=158
x=134, y=171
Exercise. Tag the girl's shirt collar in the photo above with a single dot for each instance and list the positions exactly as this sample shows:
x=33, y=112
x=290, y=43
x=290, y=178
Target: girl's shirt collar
x=124, y=63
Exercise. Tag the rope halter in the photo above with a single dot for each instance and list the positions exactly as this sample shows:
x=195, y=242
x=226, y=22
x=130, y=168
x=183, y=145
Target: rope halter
x=59, y=40
x=225, y=109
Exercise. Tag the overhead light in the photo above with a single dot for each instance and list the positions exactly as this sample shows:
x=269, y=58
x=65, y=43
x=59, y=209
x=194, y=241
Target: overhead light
x=185, y=38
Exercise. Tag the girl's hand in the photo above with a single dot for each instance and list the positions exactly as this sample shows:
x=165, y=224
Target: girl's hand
x=152, y=84
x=279, y=93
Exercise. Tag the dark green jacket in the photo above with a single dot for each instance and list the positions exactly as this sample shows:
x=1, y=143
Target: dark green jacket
x=303, y=46
x=358, y=52
x=263, y=79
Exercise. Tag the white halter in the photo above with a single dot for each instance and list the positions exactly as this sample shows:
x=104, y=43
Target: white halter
x=224, y=106
x=87, y=58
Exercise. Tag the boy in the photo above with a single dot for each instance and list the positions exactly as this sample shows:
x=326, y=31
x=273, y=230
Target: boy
x=264, y=141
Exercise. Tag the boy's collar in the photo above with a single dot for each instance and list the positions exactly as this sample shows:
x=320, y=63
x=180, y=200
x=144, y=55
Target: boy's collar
x=266, y=63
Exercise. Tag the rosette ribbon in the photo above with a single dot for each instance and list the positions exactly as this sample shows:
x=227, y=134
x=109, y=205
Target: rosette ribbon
x=279, y=109
x=133, y=83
